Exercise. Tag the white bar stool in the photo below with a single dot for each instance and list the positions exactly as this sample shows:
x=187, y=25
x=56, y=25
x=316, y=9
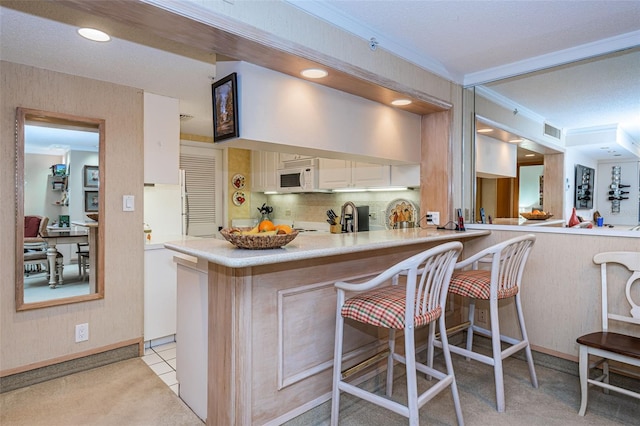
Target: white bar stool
x=507, y=261
x=418, y=303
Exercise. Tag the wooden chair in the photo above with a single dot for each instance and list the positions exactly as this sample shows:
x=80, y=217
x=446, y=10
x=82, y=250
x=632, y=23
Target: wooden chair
x=417, y=303
x=607, y=345
x=503, y=280
x=83, y=259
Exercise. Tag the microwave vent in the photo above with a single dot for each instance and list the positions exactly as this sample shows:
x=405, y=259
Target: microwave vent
x=551, y=131
x=297, y=164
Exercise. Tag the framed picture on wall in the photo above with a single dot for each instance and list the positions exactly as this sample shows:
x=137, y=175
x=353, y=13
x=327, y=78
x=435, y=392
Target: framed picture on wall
x=224, y=94
x=91, y=201
x=91, y=177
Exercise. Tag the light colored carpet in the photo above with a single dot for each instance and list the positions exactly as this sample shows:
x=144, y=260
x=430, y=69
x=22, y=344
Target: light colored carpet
x=554, y=403
x=126, y=393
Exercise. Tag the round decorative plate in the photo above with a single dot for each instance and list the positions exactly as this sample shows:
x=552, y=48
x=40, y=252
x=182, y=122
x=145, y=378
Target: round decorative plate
x=238, y=181
x=400, y=210
x=238, y=198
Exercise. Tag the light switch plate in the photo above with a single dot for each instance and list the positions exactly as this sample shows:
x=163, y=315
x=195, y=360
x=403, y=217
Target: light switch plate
x=128, y=203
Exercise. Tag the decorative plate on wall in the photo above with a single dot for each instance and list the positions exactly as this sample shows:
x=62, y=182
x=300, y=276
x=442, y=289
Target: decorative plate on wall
x=400, y=210
x=238, y=181
x=238, y=198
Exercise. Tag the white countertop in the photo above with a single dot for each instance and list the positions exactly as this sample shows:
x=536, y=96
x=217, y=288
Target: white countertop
x=313, y=246
x=158, y=241
x=617, y=231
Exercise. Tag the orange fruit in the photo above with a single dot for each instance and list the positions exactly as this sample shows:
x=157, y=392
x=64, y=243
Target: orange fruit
x=283, y=229
x=266, y=225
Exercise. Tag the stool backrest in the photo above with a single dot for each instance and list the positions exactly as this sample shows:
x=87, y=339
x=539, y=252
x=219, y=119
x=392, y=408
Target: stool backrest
x=428, y=275
x=507, y=261
x=631, y=260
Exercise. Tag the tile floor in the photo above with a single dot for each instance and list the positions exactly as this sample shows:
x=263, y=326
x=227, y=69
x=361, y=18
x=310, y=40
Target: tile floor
x=162, y=360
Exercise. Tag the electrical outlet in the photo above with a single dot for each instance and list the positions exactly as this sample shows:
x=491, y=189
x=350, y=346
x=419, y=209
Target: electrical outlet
x=287, y=212
x=433, y=218
x=373, y=216
x=482, y=316
x=82, y=332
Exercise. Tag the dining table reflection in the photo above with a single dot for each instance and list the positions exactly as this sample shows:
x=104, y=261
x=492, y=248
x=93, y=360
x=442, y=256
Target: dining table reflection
x=79, y=232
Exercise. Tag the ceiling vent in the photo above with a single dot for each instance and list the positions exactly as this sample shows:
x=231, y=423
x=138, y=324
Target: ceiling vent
x=185, y=117
x=551, y=131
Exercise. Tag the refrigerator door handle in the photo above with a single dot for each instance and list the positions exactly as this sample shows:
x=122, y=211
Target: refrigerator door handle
x=186, y=202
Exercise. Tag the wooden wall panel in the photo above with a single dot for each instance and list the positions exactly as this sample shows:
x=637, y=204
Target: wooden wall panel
x=436, y=166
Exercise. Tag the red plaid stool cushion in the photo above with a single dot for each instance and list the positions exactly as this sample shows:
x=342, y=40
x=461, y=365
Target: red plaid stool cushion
x=384, y=308
x=476, y=284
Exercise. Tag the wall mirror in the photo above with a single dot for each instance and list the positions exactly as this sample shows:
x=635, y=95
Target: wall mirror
x=59, y=201
x=571, y=98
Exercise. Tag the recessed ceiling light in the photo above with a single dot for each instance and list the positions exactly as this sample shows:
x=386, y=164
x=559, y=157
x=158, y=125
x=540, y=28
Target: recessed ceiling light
x=516, y=140
x=485, y=130
x=93, y=34
x=401, y=102
x=314, y=73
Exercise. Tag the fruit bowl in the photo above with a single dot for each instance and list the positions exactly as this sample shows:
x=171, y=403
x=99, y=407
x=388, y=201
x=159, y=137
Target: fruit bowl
x=256, y=241
x=536, y=216
x=93, y=216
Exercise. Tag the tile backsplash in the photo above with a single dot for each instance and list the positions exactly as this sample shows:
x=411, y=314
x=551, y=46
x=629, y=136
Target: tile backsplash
x=313, y=207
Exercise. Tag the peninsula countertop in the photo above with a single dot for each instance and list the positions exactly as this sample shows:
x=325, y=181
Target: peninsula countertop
x=314, y=245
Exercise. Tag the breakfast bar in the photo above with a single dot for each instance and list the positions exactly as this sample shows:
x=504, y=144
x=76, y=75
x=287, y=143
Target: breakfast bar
x=271, y=317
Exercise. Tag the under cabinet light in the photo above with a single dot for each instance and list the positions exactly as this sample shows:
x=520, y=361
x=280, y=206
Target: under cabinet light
x=393, y=188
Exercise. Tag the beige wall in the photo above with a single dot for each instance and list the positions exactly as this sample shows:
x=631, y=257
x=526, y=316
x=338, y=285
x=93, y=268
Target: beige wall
x=39, y=336
x=561, y=288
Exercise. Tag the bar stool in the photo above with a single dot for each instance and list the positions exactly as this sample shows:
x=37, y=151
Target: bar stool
x=502, y=281
x=418, y=303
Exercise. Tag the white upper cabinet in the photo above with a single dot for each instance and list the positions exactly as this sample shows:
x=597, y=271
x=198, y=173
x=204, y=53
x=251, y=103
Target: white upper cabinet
x=334, y=174
x=264, y=166
x=337, y=174
x=406, y=175
x=161, y=139
x=286, y=157
x=369, y=175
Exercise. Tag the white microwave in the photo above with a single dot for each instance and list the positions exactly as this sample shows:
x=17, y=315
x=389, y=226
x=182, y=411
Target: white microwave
x=302, y=178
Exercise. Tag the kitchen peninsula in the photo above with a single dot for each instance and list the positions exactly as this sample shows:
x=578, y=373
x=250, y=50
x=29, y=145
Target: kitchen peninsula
x=271, y=317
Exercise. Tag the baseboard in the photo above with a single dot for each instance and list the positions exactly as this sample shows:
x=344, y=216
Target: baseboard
x=58, y=369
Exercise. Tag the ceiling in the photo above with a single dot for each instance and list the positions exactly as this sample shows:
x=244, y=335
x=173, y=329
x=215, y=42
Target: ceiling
x=465, y=41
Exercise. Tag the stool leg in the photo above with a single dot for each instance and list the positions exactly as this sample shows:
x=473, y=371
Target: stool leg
x=584, y=375
x=392, y=349
x=447, y=359
x=412, y=383
x=431, y=337
x=497, y=354
x=337, y=361
x=525, y=337
x=472, y=310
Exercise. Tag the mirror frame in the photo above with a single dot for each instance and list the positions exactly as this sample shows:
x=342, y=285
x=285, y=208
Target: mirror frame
x=22, y=116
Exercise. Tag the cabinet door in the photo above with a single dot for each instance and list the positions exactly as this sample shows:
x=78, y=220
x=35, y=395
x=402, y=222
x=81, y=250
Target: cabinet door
x=257, y=174
x=333, y=174
x=160, y=293
x=264, y=166
x=161, y=139
x=270, y=170
x=405, y=175
x=366, y=175
x=285, y=156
